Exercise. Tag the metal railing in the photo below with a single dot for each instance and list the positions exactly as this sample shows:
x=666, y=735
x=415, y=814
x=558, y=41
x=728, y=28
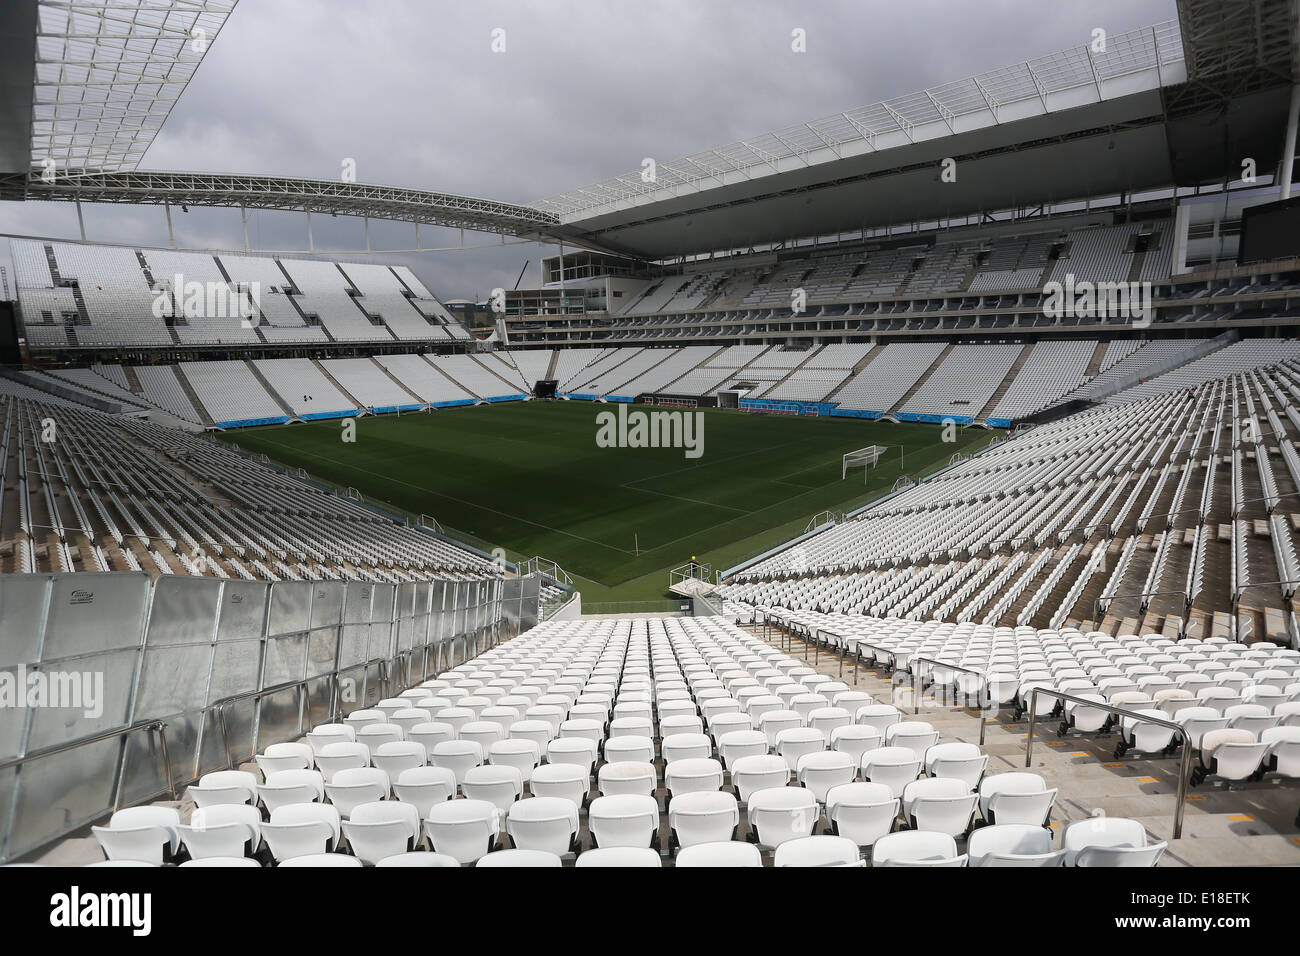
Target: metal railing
x=257, y=695
x=1185, y=761
x=1096, y=604
x=633, y=607
x=158, y=725
x=486, y=633
x=918, y=686
x=787, y=629
x=547, y=568
x=875, y=649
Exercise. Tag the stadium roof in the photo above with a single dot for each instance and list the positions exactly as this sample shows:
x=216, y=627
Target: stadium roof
x=1143, y=58
x=1159, y=106
x=104, y=76
x=280, y=193
x=108, y=72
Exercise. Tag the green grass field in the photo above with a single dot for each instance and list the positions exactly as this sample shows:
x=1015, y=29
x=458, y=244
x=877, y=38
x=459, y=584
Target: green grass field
x=529, y=477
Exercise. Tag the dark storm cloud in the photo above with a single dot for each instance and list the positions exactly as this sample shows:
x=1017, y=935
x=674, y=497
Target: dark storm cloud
x=411, y=90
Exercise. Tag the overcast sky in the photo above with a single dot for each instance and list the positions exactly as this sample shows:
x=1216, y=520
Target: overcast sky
x=413, y=92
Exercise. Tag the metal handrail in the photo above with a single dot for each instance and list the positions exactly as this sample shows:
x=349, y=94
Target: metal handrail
x=916, y=691
x=782, y=626
x=787, y=630
x=221, y=705
x=823, y=635
x=1185, y=761
x=153, y=724
x=893, y=658
x=1096, y=604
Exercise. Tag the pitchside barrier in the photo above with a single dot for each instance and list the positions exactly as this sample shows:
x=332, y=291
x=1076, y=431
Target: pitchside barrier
x=250, y=422
x=673, y=402
x=341, y=413
x=191, y=675
x=933, y=419
x=688, y=401
x=786, y=408
x=390, y=409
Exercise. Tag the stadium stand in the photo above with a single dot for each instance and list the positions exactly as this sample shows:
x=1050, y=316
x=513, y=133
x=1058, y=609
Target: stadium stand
x=999, y=382
x=92, y=380
x=1051, y=370
x=167, y=268
x=1112, y=559
x=607, y=720
x=661, y=376
x=161, y=387
x=231, y=393
x=300, y=385
x=891, y=374
x=533, y=365
x=569, y=363
x=135, y=495
x=384, y=295
x=419, y=376
x=104, y=296
x=1137, y=479
x=964, y=381
x=366, y=381
x=476, y=379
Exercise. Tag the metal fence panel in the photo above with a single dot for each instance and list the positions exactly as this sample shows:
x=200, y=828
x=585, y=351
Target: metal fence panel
x=195, y=654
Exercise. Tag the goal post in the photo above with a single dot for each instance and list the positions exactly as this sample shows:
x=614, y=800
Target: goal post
x=863, y=458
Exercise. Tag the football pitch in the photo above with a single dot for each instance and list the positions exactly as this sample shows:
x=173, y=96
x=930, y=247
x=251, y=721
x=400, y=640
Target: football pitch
x=531, y=478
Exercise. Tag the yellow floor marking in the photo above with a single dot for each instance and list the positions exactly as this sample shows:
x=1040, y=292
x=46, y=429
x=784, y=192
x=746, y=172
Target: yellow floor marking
x=1148, y=779
x=1240, y=817
x=1112, y=766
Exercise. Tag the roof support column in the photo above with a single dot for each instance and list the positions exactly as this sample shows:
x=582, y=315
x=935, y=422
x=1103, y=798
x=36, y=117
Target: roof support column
x=311, y=243
x=1288, y=148
x=171, y=233
x=243, y=218
x=81, y=221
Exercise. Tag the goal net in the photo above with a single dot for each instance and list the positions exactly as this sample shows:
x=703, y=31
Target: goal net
x=862, y=458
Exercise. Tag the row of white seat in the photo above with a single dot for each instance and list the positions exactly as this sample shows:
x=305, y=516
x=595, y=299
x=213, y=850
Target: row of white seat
x=670, y=668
